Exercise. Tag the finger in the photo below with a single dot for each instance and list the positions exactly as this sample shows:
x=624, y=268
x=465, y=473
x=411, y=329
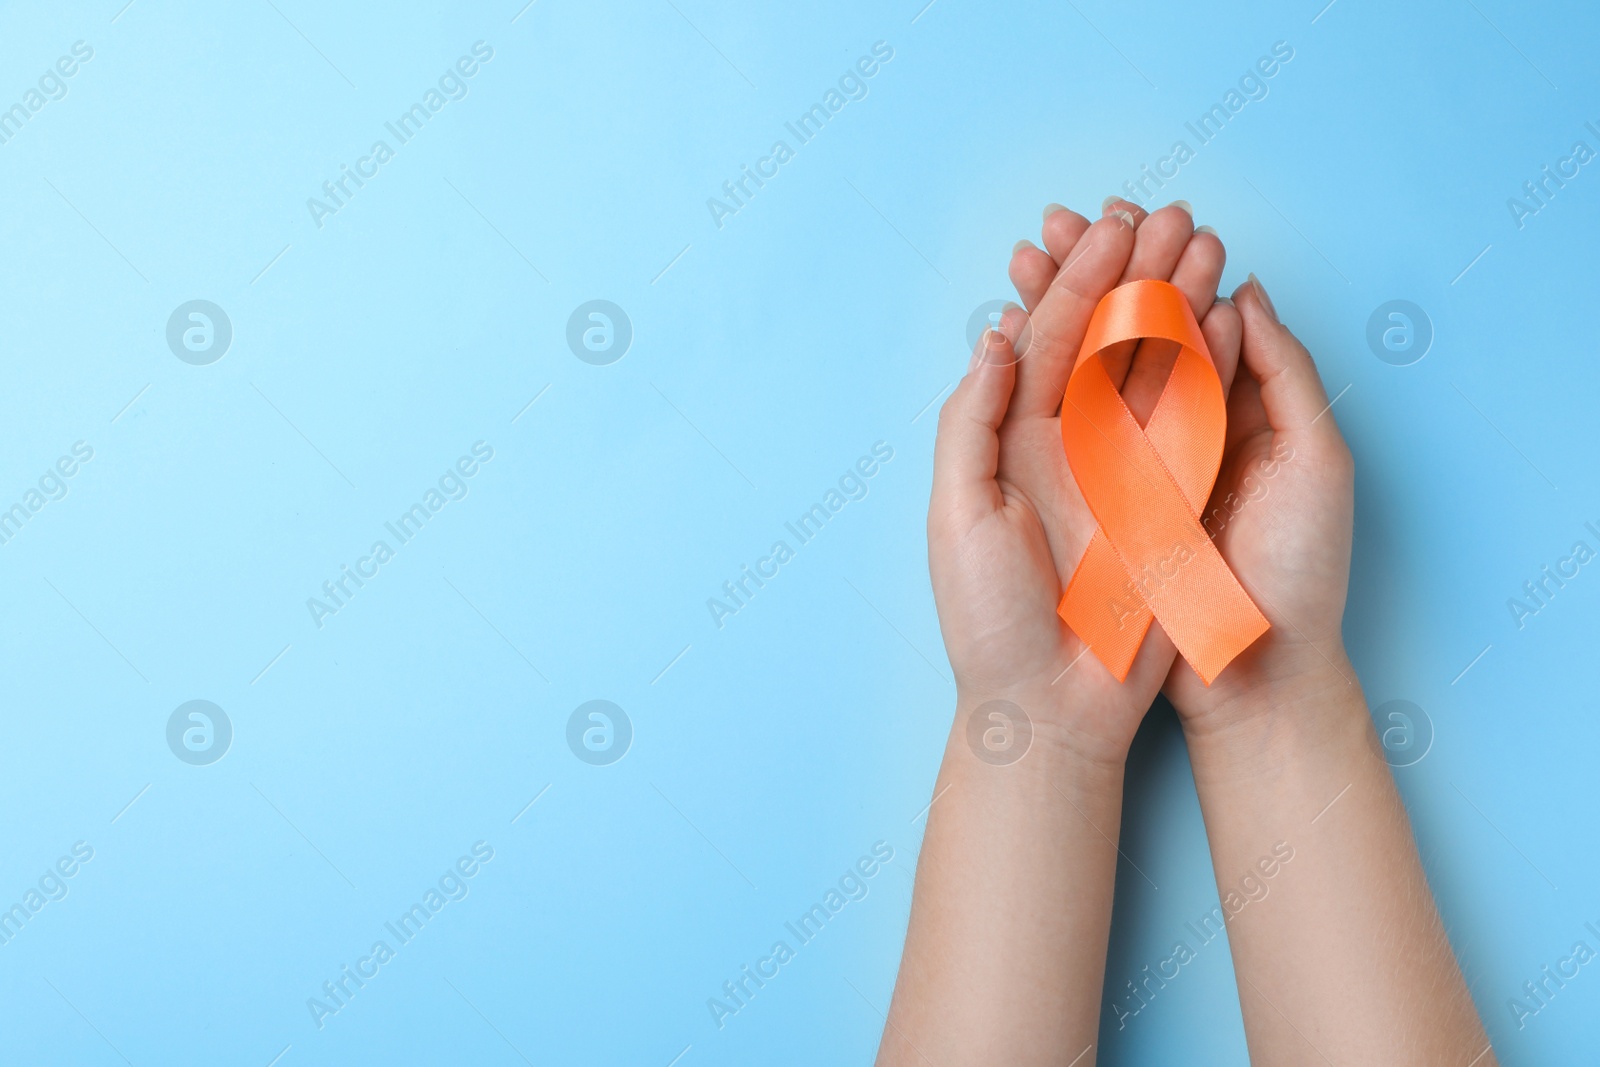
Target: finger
x=1031, y=271
x=1246, y=417
x=1147, y=379
x=1221, y=329
x=1161, y=240
x=1157, y=248
x=1292, y=395
x=1117, y=203
x=1017, y=328
x=1062, y=231
x=966, y=451
x=1199, y=270
x=1063, y=313
x=1014, y=323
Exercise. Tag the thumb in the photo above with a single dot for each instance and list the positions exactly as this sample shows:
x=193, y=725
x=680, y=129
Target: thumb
x=966, y=452
x=1291, y=390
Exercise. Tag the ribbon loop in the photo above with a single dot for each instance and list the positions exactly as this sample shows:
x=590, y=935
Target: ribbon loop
x=1150, y=556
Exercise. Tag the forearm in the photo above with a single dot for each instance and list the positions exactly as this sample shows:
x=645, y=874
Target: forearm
x=1005, y=953
x=1339, y=950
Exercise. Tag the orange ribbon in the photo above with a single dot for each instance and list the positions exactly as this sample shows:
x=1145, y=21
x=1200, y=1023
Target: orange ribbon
x=1150, y=557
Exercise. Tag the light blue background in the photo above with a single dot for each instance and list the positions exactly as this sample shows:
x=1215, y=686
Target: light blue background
x=768, y=355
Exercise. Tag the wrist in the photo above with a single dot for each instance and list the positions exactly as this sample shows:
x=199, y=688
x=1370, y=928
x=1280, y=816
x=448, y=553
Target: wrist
x=1067, y=726
x=1267, y=719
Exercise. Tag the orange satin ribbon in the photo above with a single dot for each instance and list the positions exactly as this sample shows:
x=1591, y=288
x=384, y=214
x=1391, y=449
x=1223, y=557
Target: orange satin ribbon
x=1150, y=557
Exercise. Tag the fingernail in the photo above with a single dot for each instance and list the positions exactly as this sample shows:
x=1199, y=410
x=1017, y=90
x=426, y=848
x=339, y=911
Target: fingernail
x=1125, y=216
x=1261, y=293
x=1051, y=209
x=1187, y=207
x=1225, y=300
x=1205, y=229
x=1011, y=305
x=1020, y=245
x=1107, y=202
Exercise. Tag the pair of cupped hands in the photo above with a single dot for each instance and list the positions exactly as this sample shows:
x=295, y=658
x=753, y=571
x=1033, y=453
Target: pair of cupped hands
x=1007, y=525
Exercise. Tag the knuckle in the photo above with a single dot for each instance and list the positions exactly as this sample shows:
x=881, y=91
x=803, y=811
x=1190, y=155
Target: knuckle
x=949, y=411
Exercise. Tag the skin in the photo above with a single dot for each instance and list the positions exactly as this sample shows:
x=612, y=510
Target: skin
x=1345, y=959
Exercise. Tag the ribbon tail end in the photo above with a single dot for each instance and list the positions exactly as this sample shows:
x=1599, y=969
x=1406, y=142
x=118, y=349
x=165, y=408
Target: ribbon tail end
x=1210, y=667
x=1114, y=649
